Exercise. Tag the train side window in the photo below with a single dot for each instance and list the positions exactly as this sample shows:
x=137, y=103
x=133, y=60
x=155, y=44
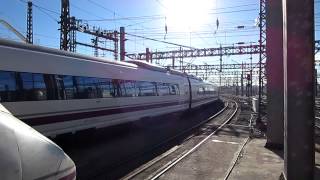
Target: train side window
x=59, y=85
x=69, y=87
x=130, y=88
x=91, y=86
x=7, y=86
x=105, y=87
x=200, y=90
x=87, y=87
x=178, y=89
x=172, y=90
x=51, y=83
x=186, y=89
x=81, y=88
x=146, y=88
x=163, y=89
x=34, y=87
x=116, y=88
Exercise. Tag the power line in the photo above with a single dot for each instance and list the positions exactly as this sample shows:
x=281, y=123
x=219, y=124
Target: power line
x=236, y=11
x=161, y=16
x=83, y=10
x=209, y=37
x=153, y=17
x=106, y=9
x=228, y=7
x=151, y=39
x=43, y=10
x=161, y=4
x=49, y=15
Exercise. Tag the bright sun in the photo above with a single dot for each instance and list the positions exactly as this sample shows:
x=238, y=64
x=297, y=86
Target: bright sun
x=187, y=15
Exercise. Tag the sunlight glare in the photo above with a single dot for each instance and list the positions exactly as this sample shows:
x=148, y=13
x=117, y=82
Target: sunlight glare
x=187, y=15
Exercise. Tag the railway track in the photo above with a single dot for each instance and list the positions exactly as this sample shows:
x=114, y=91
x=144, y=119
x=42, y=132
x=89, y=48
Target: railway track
x=206, y=129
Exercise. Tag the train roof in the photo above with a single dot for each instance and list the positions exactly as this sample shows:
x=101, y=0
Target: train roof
x=154, y=67
x=129, y=63
x=32, y=47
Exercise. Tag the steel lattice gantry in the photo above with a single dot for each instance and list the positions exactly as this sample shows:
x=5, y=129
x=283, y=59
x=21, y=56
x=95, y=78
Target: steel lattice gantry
x=216, y=67
x=29, y=37
x=65, y=26
x=97, y=33
x=205, y=52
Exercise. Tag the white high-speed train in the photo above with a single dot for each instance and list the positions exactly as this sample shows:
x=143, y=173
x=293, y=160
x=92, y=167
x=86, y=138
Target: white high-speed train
x=25, y=154
x=58, y=92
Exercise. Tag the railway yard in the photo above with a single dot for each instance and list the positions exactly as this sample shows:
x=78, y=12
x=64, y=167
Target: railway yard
x=161, y=89
x=218, y=140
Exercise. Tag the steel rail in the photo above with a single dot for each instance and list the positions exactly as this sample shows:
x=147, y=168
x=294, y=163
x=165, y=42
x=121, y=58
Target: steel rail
x=136, y=172
x=236, y=158
x=173, y=163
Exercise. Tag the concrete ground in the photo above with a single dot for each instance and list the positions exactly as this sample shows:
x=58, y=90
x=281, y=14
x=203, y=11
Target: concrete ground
x=258, y=162
x=211, y=161
x=214, y=159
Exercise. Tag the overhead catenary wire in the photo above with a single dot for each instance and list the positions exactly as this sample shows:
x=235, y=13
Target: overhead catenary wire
x=85, y=11
x=44, y=10
x=161, y=16
x=161, y=41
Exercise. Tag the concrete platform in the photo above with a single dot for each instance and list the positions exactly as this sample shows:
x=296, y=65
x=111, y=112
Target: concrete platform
x=214, y=159
x=258, y=162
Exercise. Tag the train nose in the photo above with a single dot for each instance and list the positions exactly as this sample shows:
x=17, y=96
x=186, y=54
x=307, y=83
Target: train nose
x=26, y=154
x=67, y=169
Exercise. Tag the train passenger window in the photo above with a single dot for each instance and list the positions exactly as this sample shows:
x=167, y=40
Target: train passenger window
x=34, y=87
x=163, y=89
x=81, y=88
x=200, y=90
x=7, y=86
x=186, y=89
x=177, y=89
x=116, y=88
x=51, y=83
x=91, y=85
x=146, y=88
x=130, y=88
x=59, y=87
x=173, y=90
x=69, y=87
x=105, y=87
x=86, y=87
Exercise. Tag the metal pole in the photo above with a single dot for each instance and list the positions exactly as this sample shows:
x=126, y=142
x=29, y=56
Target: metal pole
x=220, y=74
x=262, y=39
x=242, y=79
x=298, y=45
x=251, y=94
x=172, y=62
x=29, y=24
x=274, y=71
x=73, y=34
x=95, y=44
x=122, y=44
x=147, y=54
x=116, y=45
x=65, y=25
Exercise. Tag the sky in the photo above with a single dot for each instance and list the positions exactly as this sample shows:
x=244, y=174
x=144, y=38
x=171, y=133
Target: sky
x=189, y=22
